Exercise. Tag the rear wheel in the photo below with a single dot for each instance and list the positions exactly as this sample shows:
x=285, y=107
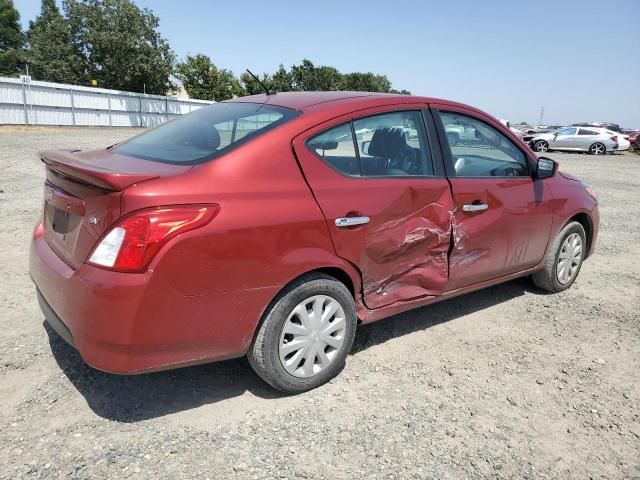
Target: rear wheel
x=306, y=335
x=564, y=259
x=597, y=149
x=541, y=146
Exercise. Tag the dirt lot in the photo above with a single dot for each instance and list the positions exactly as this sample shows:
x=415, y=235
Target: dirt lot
x=506, y=383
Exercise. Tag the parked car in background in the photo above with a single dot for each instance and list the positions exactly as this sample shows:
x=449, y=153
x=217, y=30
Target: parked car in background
x=614, y=127
x=634, y=139
x=623, y=141
x=596, y=141
x=516, y=131
x=272, y=225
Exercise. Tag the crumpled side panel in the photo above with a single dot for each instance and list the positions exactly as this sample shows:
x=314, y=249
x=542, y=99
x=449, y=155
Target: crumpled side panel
x=407, y=257
x=460, y=255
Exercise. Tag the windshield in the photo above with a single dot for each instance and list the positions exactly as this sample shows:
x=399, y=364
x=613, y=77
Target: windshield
x=206, y=133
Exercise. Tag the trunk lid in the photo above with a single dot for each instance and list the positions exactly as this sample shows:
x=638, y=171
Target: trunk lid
x=82, y=196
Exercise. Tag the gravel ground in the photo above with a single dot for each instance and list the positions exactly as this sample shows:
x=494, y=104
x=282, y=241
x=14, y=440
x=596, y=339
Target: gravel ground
x=503, y=383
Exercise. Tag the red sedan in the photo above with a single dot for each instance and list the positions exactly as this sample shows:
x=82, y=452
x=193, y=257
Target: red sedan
x=271, y=226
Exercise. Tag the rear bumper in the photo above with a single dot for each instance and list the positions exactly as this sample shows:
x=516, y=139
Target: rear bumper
x=132, y=323
x=53, y=320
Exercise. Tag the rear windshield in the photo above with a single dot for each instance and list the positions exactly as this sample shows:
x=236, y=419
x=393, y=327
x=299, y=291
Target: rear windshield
x=206, y=133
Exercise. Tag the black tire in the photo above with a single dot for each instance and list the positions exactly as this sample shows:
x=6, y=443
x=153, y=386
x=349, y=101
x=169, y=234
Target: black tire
x=264, y=355
x=541, y=146
x=597, y=149
x=547, y=278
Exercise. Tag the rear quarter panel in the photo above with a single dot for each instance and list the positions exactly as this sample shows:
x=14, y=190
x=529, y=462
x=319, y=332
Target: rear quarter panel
x=269, y=229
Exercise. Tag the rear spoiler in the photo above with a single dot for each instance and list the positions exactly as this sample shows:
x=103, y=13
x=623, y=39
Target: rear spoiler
x=91, y=169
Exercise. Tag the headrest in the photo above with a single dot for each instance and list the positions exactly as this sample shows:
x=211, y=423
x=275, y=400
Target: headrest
x=388, y=142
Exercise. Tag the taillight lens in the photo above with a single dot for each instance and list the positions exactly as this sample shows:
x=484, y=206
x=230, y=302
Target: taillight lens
x=131, y=244
x=615, y=138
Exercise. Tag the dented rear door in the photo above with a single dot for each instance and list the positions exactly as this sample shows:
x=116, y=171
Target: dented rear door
x=396, y=229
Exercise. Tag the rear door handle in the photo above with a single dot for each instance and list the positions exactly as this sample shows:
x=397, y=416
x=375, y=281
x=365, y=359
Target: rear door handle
x=479, y=207
x=351, y=221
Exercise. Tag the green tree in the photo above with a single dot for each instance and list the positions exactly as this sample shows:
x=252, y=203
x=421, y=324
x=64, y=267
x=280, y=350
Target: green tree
x=282, y=80
x=50, y=53
x=120, y=45
x=251, y=87
x=203, y=80
x=11, y=39
x=308, y=77
x=365, y=82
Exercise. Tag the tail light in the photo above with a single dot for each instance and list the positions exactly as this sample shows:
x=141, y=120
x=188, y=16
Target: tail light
x=131, y=244
x=615, y=138
x=626, y=137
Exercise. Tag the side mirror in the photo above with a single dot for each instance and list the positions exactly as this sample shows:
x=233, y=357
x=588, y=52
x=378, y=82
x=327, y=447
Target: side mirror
x=546, y=168
x=364, y=148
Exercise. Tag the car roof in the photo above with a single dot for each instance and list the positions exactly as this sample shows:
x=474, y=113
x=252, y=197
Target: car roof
x=303, y=100
x=306, y=100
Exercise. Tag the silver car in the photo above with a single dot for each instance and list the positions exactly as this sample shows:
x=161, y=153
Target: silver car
x=596, y=141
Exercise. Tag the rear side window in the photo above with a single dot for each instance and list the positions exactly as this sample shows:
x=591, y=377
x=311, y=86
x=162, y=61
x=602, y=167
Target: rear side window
x=335, y=146
x=385, y=145
x=206, y=133
x=393, y=144
x=584, y=131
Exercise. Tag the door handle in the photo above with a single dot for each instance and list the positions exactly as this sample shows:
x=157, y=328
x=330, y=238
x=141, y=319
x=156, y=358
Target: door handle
x=479, y=207
x=351, y=221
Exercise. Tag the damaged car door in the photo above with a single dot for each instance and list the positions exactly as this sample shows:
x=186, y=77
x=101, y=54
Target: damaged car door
x=502, y=216
x=379, y=180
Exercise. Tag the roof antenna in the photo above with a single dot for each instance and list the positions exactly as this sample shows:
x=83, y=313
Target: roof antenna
x=264, y=87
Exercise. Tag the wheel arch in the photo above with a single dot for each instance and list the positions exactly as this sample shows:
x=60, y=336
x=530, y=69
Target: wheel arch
x=343, y=271
x=586, y=222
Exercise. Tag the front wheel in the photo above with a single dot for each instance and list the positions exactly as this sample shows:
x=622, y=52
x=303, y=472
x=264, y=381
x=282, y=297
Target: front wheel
x=306, y=335
x=563, y=260
x=597, y=149
x=541, y=146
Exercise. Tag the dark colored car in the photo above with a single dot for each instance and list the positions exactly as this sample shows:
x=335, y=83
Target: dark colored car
x=271, y=226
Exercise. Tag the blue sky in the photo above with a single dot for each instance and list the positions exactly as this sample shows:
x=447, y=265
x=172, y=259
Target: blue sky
x=580, y=59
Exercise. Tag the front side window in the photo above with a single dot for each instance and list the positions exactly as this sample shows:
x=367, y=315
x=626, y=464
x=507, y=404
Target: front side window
x=385, y=145
x=480, y=150
x=206, y=133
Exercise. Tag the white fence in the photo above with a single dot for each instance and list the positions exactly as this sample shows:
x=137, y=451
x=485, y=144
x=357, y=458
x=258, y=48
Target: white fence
x=45, y=103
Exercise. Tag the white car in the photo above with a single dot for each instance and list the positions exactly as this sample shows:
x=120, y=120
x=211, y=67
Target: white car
x=594, y=140
x=623, y=141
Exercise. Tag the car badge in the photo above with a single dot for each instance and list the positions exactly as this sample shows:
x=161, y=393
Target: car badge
x=93, y=220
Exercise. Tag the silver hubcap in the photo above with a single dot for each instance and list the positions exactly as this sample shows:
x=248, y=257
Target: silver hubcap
x=312, y=336
x=569, y=258
x=542, y=147
x=597, y=149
